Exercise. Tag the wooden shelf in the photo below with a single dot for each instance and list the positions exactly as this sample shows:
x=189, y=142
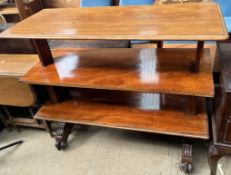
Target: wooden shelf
x=146, y=70
x=192, y=21
x=132, y=111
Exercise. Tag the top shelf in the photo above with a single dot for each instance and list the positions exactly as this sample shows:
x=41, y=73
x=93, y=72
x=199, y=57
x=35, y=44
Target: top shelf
x=193, y=21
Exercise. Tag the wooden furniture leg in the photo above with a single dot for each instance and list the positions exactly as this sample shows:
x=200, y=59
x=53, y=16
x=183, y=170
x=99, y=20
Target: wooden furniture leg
x=196, y=64
x=44, y=52
x=191, y=105
x=57, y=94
x=9, y=116
x=186, y=158
x=159, y=44
x=214, y=154
x=63, y=131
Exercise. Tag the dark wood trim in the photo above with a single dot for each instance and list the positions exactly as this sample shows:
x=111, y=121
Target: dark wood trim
x=199, y=52
x=44, y=52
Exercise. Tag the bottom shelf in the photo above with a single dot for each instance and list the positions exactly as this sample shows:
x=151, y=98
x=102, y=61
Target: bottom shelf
x=148, y=112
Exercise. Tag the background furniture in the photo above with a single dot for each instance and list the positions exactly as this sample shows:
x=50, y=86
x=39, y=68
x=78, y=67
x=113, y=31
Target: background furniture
x=18, y=100
x=221, y=128
x=8, y=12
x=221, y=121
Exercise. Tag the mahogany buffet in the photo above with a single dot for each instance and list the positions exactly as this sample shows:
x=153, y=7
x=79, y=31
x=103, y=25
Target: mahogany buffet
x=127, y=88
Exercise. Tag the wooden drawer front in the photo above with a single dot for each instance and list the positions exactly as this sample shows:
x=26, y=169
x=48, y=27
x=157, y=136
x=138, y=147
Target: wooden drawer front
x=227, y=133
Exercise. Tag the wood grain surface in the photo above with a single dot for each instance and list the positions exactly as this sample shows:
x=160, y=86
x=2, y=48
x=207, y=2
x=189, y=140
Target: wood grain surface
x=193, y=21
x=147, y=70
x=133, y=111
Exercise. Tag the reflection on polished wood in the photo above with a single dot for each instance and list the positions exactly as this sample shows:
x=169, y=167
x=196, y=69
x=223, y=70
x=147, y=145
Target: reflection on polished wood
x=157, y=22
x=148, y=70
x=133, y=111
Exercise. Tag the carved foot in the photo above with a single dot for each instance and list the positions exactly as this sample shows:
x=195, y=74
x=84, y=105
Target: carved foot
x=63, y=131
x=214, y=154
x=186, y=159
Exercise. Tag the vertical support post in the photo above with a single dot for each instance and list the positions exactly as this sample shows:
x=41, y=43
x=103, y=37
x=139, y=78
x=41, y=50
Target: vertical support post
x=191, y=105
x=10, y=117
x=159, y=44
x=44, y=52
x=115, y=2
x=200, y=47
x=57, y=94
x=53, y=94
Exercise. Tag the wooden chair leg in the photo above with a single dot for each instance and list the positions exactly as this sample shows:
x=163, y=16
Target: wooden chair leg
x=9, y=117
x=187, y=157
x=63, y=131
x=3, y=120
x=214, y=154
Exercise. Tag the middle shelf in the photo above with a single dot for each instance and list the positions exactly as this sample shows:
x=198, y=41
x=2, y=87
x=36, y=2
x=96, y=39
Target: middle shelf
x=146, y=70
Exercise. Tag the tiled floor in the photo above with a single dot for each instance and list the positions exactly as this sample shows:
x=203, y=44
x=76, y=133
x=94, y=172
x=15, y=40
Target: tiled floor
x=99, y=151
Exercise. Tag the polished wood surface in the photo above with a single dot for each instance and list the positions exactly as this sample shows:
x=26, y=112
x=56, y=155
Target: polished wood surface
x=16, y=64
x=149, y=70
x=196, y=21
x=133, y=111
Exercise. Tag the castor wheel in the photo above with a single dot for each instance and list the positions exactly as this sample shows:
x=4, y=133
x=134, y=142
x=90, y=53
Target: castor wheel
x=186, y=167
x=60, y=145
